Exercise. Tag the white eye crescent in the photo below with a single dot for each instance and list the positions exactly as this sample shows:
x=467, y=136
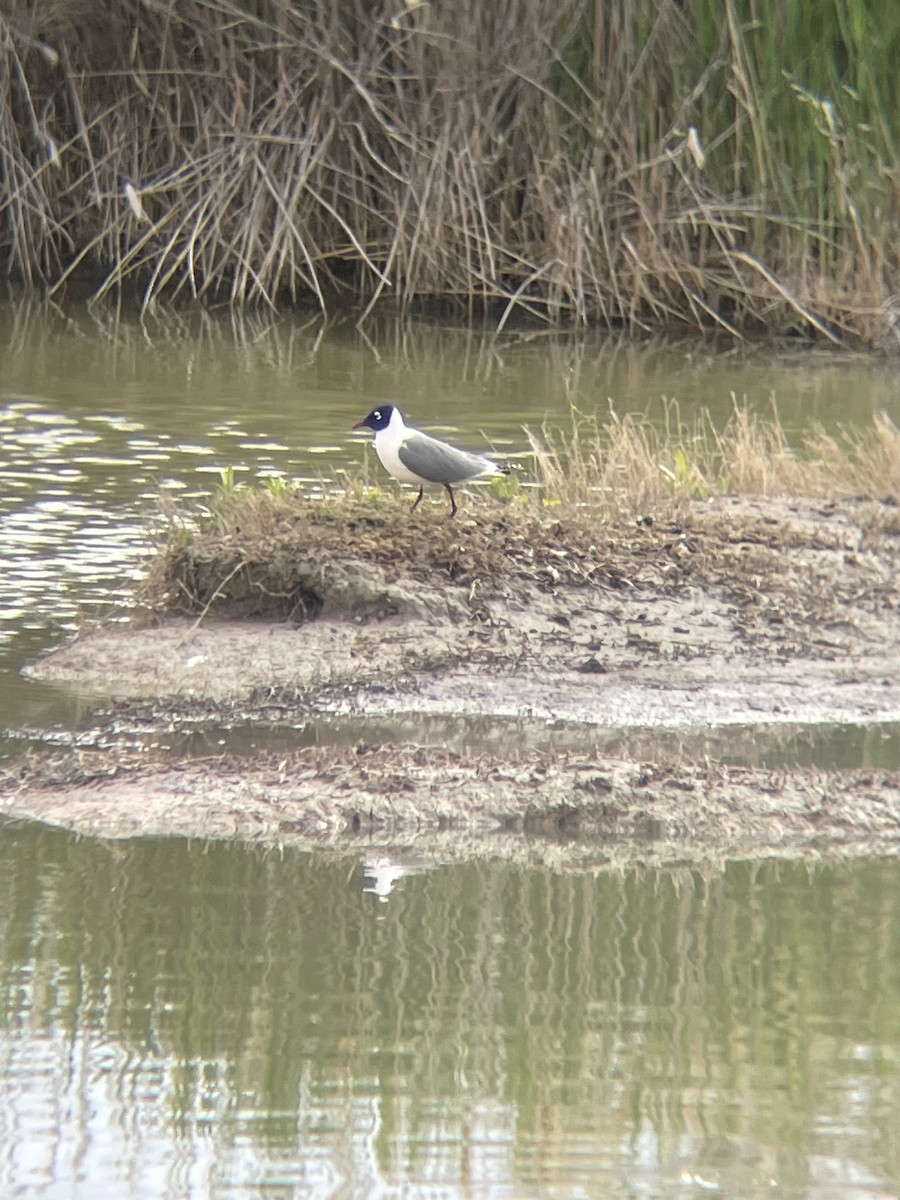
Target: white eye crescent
x=377, y=414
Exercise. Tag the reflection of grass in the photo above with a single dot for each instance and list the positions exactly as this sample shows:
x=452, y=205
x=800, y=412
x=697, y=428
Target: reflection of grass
x=599, y=950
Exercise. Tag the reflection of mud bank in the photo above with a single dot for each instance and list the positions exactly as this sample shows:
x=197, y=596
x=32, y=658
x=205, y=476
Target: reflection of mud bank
x=745, y=612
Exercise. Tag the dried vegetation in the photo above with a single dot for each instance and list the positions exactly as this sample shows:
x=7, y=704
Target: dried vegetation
x=635, y=164
x=625, y=464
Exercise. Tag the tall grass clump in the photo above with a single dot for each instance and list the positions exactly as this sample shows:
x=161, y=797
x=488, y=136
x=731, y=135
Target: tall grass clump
x=623, y=465
x=637, y=163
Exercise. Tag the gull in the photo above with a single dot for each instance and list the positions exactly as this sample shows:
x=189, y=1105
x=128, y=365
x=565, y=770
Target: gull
x=414, y=457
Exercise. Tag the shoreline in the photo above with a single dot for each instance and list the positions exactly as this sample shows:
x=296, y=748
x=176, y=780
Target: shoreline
x=740, y=613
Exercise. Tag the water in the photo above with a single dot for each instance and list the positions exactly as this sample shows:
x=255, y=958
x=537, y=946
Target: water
x=216, y=1021
x=209, y=1021
x=101, y=415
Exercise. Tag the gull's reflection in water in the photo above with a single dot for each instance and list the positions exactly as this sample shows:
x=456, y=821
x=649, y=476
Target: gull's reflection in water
x=383, y=871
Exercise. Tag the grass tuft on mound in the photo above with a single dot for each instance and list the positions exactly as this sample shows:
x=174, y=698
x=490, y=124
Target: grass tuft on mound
x=626, y=465
x=605, y=498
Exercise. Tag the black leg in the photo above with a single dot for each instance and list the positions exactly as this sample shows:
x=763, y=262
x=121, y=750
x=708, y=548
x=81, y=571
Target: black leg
x=418, y=498
x=452, y=499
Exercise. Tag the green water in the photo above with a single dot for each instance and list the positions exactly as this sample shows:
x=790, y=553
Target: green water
x=212, y=1021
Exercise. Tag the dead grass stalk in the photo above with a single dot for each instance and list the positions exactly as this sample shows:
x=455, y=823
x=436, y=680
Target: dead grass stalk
x=644, y=165
x=626, y=465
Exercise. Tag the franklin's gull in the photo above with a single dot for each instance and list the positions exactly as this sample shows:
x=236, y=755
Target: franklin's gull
x=415, y=457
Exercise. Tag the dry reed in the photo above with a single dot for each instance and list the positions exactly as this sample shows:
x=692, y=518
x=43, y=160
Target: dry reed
x=626, y=465
x=637, y=164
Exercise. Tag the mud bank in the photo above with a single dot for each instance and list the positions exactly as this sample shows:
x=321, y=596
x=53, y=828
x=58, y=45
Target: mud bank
x=561, y=811
x=739, y=612
x=736, y=612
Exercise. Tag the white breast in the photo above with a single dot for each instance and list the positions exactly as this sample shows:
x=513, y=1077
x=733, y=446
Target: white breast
x=387, y=442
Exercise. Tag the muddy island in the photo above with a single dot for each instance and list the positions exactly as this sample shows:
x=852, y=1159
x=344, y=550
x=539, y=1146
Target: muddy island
x=701, y=612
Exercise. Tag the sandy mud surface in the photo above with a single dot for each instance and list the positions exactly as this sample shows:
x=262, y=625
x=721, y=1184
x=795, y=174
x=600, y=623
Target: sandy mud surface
x=737, y=612
x=565, y=810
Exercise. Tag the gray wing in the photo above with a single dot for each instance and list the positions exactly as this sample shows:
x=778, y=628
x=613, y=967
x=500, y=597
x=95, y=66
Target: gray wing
x=439, y=463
